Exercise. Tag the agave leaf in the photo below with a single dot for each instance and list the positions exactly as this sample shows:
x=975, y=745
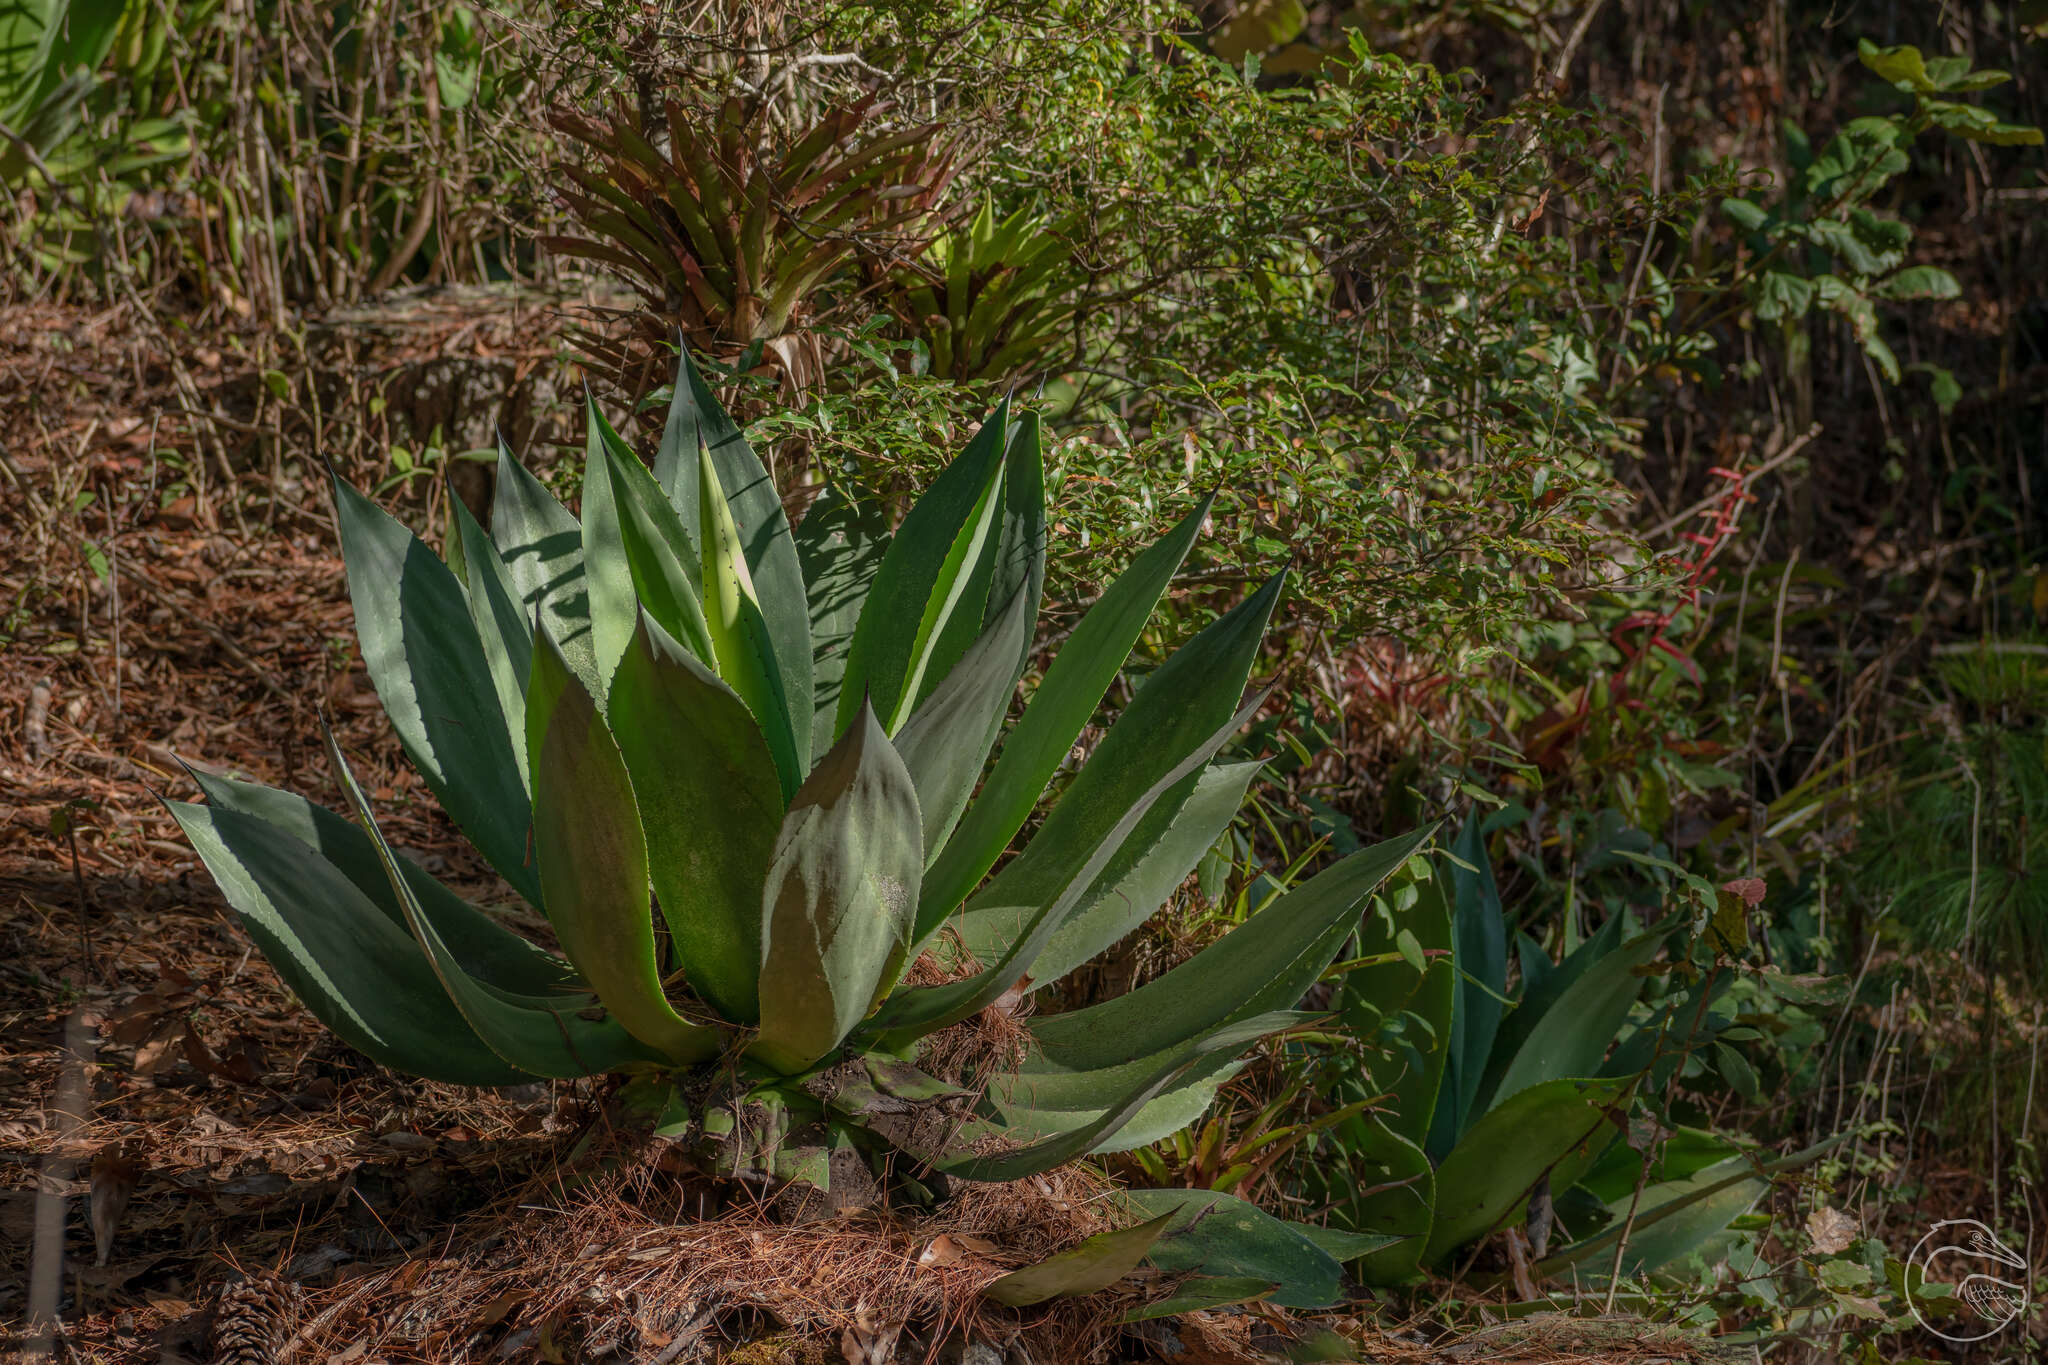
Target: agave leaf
x=1480, y=934
x=1218, y=1234
x=1041, y=1100
x=838, y=546
x=696, y=421
x=549, y=1035
x=1061, y=1148
x=840, y=898
x=485, y=948
x=946, y=741
x=664, y=561
x=942, y=553
x=1201, y=1293
x=739, y=632
x=1694, y=1209
x=1043, y=737
x=593, y=858
x=1571, y=1037
x=1267, y=963
x=422, y=651
x=914, y=1013
x=1551, y=1129
x=352, y=966
x=504, y=631
x=607, y=573
x=1409, y=1014
x=1020, y=549
x=709, y=801
x=1132, y=889
x=1094, y=1265
x=542, y=549
x=1387, y=1188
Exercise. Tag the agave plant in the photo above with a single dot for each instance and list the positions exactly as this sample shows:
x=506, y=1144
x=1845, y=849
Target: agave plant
x=729, y=230
x=740, y=770
x=1500, y=1098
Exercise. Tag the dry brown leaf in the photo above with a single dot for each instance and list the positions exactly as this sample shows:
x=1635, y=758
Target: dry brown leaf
x=870, y=1339
x=115, y=1173
x=1830, y=1230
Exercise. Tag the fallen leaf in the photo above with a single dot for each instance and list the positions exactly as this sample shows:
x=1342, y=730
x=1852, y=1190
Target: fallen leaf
x=1830, y=1230
x=115, y=1173
x=870, y=1339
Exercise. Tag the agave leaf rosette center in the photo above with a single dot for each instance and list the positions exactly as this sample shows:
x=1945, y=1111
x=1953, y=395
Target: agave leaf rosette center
x=749, y=773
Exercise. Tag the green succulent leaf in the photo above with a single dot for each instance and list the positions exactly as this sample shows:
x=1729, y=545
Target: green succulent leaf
x=421, y=648
x=698, y=423
x=1479, y=931
x=839, y=546
x=1571, y=1036
x=541, y=546
x=710, y=802
x=1158, y=857
x=1061, y=1148
x=549, y=1035
x=1212, y=1233
x=504, y=631
x=663, y=559
x=1553, y=1129
x=1089, y=1268
x=1267, y=963
x=1389, y=1190
x=1407, y=1014
x=593, y=858
x=1020, y=547
x=363, y=975
x=946, y=742
x=1201, y=1293
x=913, y=1013
x=739, y=632
x=1043, y=737
x=1181, y=701
x=614, y=604
x=922, y=609
x=840, y=898
x=483, y=947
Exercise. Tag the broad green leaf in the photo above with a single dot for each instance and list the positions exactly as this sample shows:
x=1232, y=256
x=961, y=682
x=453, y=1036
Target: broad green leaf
x=946, y=742
x=551, y=1035
x=913, y=1013
x=362, y=974
x=1182, y=701
x=1094, y=1265
x=1267, y=963
x=1041, y=740
x=1133, y=887
x=1219, y=1234
x=421, y=648
x=663, y=560
x=1040, y=1101
x=1902, y=66
x=542, y=549
x=710, y=803
x=505, y=632
x=1201, y=1293
x=739, y=632
x=485, y=948
x=839, y=547
x=942, y=553
x=840, y=898
x=1551, y=1129
x=1020, y=549
x=1479, y=932
x=607, y=573
x=593, y=858
x=1386, y=1187
x=1057, y=1150
x=698, y=423
x=1694, y=1208
x=1407, y=1017
x=1572, y=1036
x=1682, y=1155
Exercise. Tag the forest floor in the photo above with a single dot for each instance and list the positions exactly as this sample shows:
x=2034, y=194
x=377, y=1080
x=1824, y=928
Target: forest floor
x=177, y=1122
